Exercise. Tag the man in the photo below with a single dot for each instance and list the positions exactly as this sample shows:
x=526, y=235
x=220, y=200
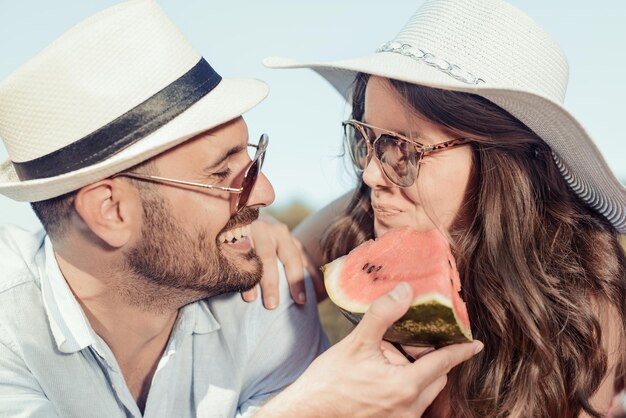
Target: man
x=134, y=154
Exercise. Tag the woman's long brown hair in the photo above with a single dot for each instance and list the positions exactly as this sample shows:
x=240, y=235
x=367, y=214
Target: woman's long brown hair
x=537, y=266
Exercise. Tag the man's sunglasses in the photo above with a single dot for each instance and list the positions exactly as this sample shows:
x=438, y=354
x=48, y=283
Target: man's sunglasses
x=249, y=178
x=398, y=155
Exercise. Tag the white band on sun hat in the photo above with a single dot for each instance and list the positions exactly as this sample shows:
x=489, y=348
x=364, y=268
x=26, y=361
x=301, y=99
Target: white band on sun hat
x=120, y=87
x=492, y=49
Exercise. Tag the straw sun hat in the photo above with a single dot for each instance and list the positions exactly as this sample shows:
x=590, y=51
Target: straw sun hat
x=494, y=50
x=115, y=90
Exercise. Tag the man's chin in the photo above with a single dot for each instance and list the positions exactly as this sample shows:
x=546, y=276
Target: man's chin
x=242, y=282
x=248, y=265
x=249, y=286
x=231, y=282
x=244, y=260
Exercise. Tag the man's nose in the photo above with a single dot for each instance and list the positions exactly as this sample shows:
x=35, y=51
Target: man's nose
x=262, y=193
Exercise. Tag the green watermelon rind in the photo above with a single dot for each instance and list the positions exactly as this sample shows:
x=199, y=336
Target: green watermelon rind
x=430, y=321
x=424, y=325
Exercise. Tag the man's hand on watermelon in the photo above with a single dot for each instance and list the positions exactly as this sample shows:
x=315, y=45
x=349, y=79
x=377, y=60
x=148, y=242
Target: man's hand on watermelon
x=273, y=242
x=361, y=377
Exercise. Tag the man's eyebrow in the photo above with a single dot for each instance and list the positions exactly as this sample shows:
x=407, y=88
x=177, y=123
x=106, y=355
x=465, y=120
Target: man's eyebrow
x=223, y=157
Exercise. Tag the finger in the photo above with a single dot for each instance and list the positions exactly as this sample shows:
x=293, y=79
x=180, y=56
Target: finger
x=315, y=272
x=291, y=257
x=265, y=248
x=392, y=355
x=417, y=352
x=429, y=393
x=269, y=284
x=382, y=313
x=398, y=347
x=433, y=365
x=250, y=295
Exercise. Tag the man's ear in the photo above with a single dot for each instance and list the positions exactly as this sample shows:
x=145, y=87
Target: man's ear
x=111, y=209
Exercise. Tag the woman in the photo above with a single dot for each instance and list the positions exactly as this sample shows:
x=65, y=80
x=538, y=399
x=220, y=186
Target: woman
x=457, y=124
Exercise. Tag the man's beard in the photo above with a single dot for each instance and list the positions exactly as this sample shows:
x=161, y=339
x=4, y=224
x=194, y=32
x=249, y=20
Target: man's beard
x=190, y=267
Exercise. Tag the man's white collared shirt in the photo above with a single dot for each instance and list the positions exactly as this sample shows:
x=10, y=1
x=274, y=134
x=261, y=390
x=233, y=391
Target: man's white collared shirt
x=224, y=358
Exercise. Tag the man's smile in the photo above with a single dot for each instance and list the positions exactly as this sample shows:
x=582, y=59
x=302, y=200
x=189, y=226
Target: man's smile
x=236, y=237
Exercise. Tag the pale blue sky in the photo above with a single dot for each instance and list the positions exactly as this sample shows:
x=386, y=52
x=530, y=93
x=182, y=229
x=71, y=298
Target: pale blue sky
x=303, y=112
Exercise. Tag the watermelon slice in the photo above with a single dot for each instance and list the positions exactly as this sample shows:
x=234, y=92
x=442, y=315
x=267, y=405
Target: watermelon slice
x=437, y=315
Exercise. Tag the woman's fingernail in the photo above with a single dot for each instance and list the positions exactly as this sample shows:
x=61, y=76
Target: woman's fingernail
x=270, y=302
x=301, y=297
x=479, y=347
x=400, y=292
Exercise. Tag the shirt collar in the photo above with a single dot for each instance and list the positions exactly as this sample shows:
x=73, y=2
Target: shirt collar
x=68, y=323
x=205, y=322
x=194, y=318
x=70, y=327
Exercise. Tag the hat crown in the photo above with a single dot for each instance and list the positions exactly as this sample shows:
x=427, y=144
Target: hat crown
x=84, y=79
x=492, y=41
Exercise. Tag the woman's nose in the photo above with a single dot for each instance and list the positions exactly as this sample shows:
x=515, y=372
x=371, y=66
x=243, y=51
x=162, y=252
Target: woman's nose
x=373, y=175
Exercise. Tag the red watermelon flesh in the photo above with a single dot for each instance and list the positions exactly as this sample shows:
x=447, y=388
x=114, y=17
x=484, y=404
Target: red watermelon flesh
x=437, y=315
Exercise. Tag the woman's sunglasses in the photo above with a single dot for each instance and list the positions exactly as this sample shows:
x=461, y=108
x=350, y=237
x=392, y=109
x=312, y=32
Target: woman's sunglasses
x=398, y=155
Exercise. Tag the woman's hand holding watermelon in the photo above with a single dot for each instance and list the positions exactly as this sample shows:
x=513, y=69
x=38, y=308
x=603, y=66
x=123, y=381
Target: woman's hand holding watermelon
x=359, y=377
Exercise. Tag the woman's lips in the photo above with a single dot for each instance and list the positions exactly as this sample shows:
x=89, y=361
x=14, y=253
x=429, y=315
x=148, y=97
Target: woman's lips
x=385, y=210
x=385, y=218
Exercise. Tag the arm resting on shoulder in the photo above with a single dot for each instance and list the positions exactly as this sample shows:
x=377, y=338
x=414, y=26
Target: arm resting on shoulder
x=310, y=231
x=298, y=252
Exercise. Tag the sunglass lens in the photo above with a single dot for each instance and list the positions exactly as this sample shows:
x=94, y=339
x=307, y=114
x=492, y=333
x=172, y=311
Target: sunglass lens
x=252, y=174
x=248, y=183
x=399, y=160
x=357, y=146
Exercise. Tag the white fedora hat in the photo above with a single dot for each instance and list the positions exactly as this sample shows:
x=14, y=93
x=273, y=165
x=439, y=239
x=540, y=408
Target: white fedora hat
x=120, y=87
x=492, y=49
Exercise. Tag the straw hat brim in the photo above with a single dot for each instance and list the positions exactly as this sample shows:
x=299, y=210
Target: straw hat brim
x=576, y=154
x=230, y=99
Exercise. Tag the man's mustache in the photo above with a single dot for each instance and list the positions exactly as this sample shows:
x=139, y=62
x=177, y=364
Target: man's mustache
x=246, y=216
